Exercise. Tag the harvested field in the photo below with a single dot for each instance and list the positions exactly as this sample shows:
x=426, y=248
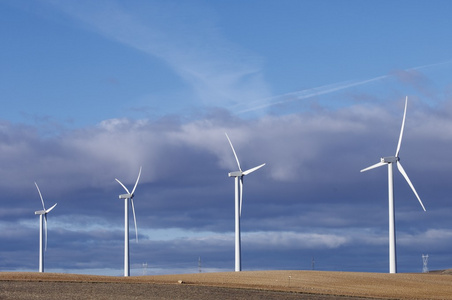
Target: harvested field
x=229, y=285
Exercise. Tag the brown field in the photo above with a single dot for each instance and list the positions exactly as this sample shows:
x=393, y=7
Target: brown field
x=229, y=285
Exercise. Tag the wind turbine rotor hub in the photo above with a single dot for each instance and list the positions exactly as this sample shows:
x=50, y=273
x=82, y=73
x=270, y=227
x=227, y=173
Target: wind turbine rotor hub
x=389, y=159
x=235, y=174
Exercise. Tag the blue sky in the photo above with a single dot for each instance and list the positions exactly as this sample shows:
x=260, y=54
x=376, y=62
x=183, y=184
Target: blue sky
x=90, y=91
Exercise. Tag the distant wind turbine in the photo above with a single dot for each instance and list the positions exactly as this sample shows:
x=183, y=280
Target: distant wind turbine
x=42, y=230
x=238, y=204
x=126, y=198
x=390, y=160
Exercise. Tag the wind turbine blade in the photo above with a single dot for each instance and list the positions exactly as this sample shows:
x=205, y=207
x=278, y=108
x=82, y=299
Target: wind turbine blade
x=42, y=200
x=122, y=185
x=136, y=183
x=45, y=232
x=48, y=210
x=241, y=195
x=134, y=220
x=236, y=158
x=253, y=169
x=373, y=166
x=401, y=130
x=402, y=171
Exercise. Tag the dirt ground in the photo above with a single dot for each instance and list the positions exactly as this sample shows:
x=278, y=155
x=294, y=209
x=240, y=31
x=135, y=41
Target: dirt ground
x=229, y=285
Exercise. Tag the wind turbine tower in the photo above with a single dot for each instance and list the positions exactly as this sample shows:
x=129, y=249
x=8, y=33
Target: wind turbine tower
x=389, y=161
x=42, y=230
x=127, y=197
x=238, y=175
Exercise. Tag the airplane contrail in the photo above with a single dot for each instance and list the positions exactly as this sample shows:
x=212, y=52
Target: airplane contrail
x=322, y=90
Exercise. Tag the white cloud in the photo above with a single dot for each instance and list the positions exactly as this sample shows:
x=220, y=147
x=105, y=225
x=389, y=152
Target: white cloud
x=433, y=238
x=293, y=240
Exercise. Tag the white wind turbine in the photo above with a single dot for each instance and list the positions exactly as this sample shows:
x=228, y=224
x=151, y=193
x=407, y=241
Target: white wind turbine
x=126, y=198
x=390, y=160
x=238, y=204
x=42, y=230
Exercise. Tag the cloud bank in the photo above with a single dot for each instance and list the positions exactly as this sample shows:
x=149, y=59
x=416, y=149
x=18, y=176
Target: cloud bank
x=310, y=198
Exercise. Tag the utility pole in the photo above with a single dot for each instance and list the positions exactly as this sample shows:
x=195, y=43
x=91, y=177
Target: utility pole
x=145, y=268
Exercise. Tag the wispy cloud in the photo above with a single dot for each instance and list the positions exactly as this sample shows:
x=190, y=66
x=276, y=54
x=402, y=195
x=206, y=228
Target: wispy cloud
x=308, y=93
x=409, y=76
x=186, y=37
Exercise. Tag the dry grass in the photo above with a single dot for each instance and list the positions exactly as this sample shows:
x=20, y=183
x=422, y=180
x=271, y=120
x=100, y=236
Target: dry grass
x=292, y=283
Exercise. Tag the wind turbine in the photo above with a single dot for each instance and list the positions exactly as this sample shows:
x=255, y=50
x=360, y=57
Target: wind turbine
x=238, y=204
x=390, y=160
x=126, y=198
x=42, y=230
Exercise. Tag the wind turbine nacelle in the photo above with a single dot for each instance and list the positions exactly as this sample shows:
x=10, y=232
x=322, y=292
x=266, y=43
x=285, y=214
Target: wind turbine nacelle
x=235, y=174
x=389, y=159
x=40, y=212
x=125, y=196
